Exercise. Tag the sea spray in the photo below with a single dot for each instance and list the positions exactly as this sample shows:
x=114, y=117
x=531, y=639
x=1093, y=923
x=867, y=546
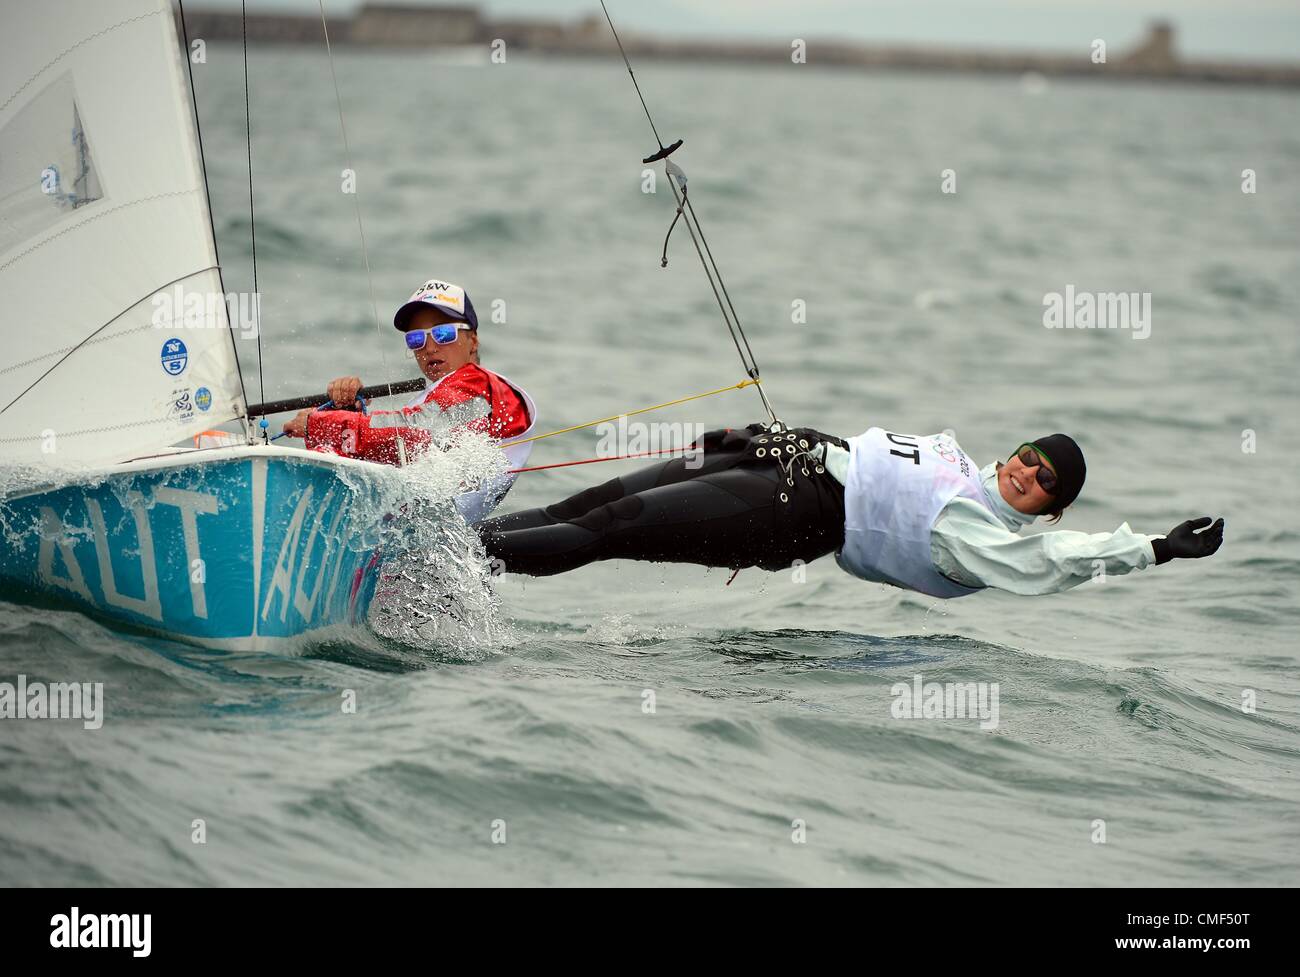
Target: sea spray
x=434, y=590
x=19, y=479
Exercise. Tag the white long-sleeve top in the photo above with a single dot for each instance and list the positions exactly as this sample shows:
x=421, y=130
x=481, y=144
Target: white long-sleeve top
x=981, y=548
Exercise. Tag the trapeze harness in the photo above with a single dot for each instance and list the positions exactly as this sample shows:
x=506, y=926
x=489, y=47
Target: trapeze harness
x=750, y=498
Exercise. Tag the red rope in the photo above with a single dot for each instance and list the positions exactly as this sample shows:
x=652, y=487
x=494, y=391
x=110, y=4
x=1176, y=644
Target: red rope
x=592, y=461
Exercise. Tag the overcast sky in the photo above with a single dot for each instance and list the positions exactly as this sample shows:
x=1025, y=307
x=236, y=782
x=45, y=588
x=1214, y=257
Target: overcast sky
x=1259, y=29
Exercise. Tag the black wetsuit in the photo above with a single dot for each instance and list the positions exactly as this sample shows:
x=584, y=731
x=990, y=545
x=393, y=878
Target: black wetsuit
x=754, y=498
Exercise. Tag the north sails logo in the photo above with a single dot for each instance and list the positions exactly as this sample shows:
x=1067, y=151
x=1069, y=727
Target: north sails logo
x=131, y=931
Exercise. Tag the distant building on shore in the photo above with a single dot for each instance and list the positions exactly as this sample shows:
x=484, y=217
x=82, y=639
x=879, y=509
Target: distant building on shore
x=402, y=25
x=1156, y=52
x=398, y=24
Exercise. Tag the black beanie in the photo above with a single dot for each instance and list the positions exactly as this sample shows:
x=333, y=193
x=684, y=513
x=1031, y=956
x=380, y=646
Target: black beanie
x=1066, y=459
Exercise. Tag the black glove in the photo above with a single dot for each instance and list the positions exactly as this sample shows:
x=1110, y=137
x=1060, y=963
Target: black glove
x=1184, y=543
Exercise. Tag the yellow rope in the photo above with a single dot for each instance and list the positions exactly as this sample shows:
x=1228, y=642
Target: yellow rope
x=630, y=413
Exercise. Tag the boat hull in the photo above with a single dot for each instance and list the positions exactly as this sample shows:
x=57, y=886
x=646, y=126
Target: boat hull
x=249, y=548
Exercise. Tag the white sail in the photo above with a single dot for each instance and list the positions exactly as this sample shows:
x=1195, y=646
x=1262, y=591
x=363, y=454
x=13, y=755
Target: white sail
x=103, y=214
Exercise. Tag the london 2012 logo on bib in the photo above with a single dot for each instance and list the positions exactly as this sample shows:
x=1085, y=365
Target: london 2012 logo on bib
x=174, y=357
x=946, y=448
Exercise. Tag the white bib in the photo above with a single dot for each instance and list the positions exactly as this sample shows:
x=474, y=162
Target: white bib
x=897, y=485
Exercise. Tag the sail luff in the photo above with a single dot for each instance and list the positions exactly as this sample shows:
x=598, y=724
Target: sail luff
x=187, y=82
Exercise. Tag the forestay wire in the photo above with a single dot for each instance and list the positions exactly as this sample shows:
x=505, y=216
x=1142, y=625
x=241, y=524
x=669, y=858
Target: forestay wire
x=252, y=222
x=212, y=225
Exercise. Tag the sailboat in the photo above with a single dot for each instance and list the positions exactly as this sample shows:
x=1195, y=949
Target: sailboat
x=110, y=497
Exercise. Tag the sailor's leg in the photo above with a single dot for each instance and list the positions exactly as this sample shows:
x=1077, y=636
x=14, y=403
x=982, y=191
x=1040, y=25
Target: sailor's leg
x=723, y=519
x=723, y=452
x=583, y=502
x=733, y=511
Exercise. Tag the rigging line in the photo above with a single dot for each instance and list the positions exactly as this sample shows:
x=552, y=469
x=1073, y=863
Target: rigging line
x=207, y=195
x=711, y=269
x=347, y=159
x=750, y=368
x=691, y=207
x=633, y=413
x=252, y=224
x=86, y=339
x=746, y=355
x=619, y=42
x=592, y=461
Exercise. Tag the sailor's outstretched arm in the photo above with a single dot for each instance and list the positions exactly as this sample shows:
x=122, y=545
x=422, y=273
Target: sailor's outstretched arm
x=968, y=547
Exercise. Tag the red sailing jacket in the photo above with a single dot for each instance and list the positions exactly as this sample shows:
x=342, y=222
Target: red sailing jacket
x=350, y=433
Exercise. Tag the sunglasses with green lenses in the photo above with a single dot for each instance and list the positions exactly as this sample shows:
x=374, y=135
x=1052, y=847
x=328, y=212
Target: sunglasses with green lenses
x=1032, y=457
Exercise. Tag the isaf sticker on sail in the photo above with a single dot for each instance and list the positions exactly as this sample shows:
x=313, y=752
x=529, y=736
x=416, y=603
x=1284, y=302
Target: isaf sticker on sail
x=182, y=405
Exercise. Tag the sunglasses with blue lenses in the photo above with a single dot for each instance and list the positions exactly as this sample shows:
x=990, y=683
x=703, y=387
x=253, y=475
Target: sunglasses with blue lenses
x=443, y=334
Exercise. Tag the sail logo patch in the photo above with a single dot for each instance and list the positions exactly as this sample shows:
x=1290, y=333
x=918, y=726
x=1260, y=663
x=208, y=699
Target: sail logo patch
x=174, y=356
x=182, y=408
x=203, y=398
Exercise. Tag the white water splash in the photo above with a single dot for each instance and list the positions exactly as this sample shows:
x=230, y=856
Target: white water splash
x=435, y=587
x=620, y=629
